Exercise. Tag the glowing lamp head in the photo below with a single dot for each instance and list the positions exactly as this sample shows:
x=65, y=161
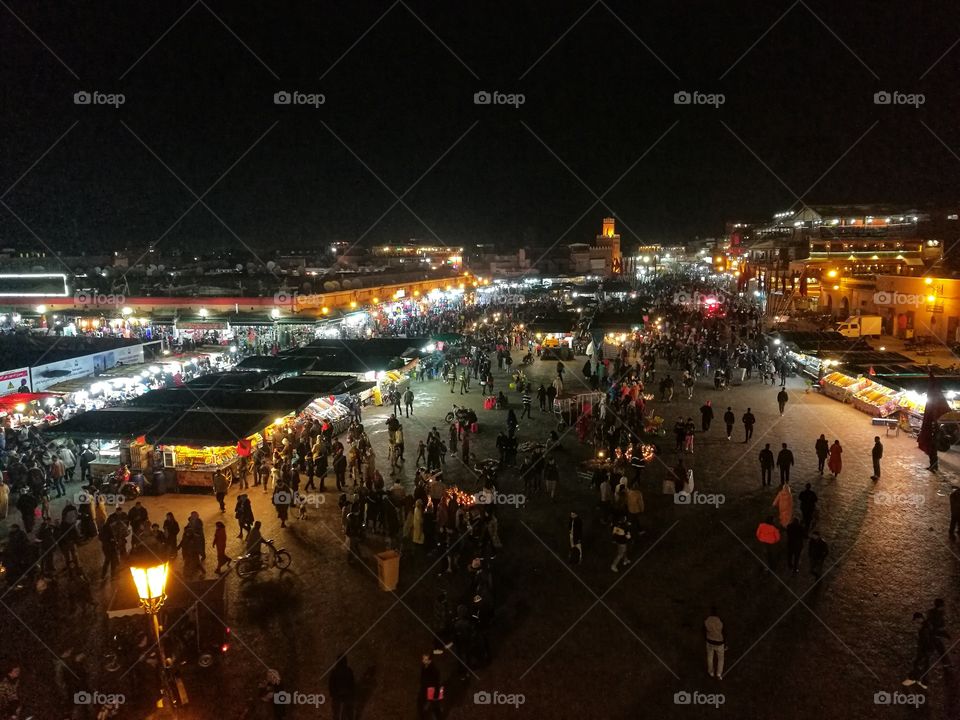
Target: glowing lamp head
x=931, y=298
x=928, y=281
x=203, y=312
x=353, y=304
x=832, y=273
x=151, y=582
x=126, y=311
x=41, y=309
x=275, y=313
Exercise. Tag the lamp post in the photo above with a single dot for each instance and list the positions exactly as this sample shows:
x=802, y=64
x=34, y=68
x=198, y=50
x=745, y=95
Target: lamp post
x=151, y=585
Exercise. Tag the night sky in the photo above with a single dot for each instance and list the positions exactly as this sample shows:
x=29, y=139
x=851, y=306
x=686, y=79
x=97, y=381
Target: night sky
x=199, y=94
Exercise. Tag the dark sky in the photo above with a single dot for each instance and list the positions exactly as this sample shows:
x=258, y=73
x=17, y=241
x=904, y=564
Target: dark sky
x=799, y=100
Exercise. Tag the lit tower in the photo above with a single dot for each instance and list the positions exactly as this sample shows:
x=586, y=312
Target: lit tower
x=609, y=239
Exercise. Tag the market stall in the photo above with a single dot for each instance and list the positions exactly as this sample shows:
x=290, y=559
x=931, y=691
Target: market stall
x=198, y=443
x=842, y=387
x=19, y=409
x=116, y=435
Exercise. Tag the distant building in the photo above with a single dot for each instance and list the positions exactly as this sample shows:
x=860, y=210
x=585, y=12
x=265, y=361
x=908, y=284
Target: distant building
x=602, y=257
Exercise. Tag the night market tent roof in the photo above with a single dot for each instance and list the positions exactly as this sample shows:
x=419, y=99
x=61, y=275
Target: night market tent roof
x=317, y=385
x=809, y=342
x=111, y=423
x=919, y=382
x=281, y=403
x=202, y=428
x=250, y=380
x=356, y=364
x=552, y=324
x=393, y=347
x=275, y=363
x=617, y=322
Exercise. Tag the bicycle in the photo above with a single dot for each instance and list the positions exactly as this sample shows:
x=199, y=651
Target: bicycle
x=252, y=563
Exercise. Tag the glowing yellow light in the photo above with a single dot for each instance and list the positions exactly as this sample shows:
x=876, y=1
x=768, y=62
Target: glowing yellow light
x=278, y=421
x=928, y=281
x=151, y=582
x=353, y=304
x=20, y=407
x=931, y=299
x=325, y=310
x=832, y=274
x=836, y=287
x=375, y=301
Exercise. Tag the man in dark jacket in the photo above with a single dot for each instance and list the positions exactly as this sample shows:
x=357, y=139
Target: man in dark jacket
x=822, y=448
x=706, y=416
x=784, y=461
x=782, y=400
x=876, y=453
x=954, y=512
x=342, y=688
x=430, y=701
x=729, y=419
x=575, y=528
x=749, y=420
x=795, y=537
x=808, y=505
x=766, y=466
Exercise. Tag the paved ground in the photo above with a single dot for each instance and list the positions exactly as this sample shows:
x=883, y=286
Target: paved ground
x=585, y=642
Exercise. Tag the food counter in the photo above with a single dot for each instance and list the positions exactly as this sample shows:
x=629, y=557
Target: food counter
x=876, y=399
x=842, y=387
x=194, y=467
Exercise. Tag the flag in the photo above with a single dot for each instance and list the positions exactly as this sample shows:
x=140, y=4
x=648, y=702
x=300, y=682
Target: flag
x=935, y=407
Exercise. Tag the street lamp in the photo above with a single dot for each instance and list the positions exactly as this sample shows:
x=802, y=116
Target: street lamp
x=151, y=585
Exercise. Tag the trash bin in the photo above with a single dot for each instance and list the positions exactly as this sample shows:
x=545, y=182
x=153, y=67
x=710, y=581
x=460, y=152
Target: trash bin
x=388, y=569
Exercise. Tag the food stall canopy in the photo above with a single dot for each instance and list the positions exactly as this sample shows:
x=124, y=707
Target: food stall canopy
x=112, y=423
x=250, y=380
x=275, y=363
x=317, y=385
x=204, y=428
x=355, y=364
x=392, y=347
x=617, y=322
x=281, y=403
x=562, y=324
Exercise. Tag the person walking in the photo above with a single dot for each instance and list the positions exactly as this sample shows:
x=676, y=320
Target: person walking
x=340, y=470
x=220, y=488
x=526, y=402
x=796, y=534
x=808, y=505
x=766, y=466
x=835, y=464
x=876, y=453
x=822, y=448
x=464, y=382
x=729, y=419
x=925, y=648
x=542, y=397
x=716, y=643
x=784, y=504
x=706, y=415
x=749, y=420
x=782, y=400
x=937, y=619
x=621, y=536
x=817, y=551
x=784, y=462
x=575, y=533
x=220, y=543
x=408, y=401
x=430, y=703
x=769, y=536
x=343, y=689
x=954, y=512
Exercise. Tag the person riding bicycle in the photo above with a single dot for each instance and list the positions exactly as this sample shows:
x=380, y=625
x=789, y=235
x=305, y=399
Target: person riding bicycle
x=254, y=540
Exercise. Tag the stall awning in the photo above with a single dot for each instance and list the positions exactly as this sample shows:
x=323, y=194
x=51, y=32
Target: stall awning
x=317, y=385
x=13, y=399
x=111, y=423
x=232, y=380
x=281, y=403
x=203, y=428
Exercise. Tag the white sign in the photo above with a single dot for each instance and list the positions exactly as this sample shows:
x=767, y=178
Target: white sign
x=44, y=376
